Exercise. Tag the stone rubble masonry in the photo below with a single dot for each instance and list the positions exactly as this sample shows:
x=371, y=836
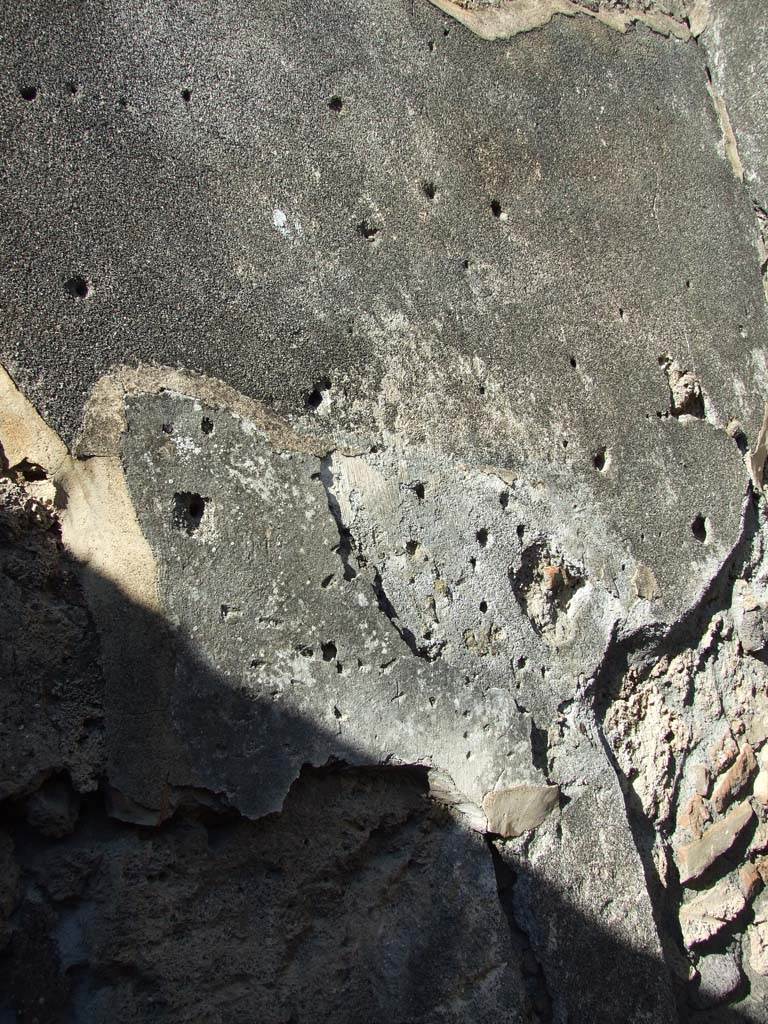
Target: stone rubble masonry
x=694, y=858
x=708, y=913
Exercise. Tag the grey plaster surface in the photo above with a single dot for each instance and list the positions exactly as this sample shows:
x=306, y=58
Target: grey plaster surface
x=583, y=226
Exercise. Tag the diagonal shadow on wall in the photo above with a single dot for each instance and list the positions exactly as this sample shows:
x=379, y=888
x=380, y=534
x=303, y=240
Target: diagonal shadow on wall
x=363, y=899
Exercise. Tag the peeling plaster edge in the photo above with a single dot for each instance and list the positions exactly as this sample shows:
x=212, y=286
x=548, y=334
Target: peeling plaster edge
x=104, y=420
x=513, y=17
x=756, y=457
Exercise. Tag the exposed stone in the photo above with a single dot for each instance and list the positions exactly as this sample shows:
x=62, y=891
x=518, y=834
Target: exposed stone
x=708, y=912
x=757, y=936
x=724, y=752
x=757, y=731
x=750, y=617
x=750, y=880
x=519, y=808
x=645, y=584
x=695, y=857
x=685, y=390
x=720, y=979
x=653, y=754
x=701, y=779
x=734, y=780
x=759, y=843
x=694, y=816
x=760, y=788
x=502, y=19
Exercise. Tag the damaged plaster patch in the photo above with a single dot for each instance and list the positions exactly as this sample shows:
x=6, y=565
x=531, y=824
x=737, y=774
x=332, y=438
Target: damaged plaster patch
x=502, y=19
x=686, y=395
x=545, y=586
x=99, y=525
x=104, y=417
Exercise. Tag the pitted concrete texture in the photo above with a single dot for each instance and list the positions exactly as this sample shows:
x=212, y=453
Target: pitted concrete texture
x=491, y=249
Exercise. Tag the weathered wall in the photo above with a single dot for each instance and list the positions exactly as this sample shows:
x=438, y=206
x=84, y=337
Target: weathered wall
x=384, y=589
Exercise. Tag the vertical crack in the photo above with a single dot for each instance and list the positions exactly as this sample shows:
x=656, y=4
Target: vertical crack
x=349, y=552
x=346, y=546
x=408, y=637
x=534, y=979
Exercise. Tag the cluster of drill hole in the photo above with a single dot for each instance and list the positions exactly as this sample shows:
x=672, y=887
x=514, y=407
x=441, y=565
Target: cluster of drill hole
x=188, y=511
x=335, y=104
x=207, y=425
x=599, y=459
x=429, y=189
x=28, y=93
